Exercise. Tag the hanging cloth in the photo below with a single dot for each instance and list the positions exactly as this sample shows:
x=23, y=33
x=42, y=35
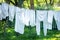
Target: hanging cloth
x=0, y=13
x=57, y=18
x=32, y=17
x=50, y=19
x=27, y=17
x=11, y=12
x=5, y=10
x=19, y=25
x=41, y=16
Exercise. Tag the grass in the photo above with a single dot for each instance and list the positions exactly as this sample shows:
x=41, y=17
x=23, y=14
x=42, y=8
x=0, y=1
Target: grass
x=29, y=34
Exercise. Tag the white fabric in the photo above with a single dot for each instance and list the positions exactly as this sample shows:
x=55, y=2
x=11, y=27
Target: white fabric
x=19, y=25
x=45, y=25
x=5, y=10
x=41, y=16
x=50, y=19
x=58, y=19
x=58, y=25
x=11, y=12
x=0, y=13
x=38, y=27
x=51, y=13
x=26, y=17
x=32, y=18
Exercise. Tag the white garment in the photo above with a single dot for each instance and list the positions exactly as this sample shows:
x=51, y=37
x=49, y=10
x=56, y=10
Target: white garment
x=5, y=10
x=32, y=18
x=38, y=27
x=0, y=13
x=11, y=12
x=58, y=19
x=27, y=17
x=19, y=25
x=50, y=19
x=41, y=16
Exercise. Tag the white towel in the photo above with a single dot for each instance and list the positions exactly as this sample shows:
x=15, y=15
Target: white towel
x=32, y=18
x=41, y=16
x=5, y=10
x=0, y=13
x=19, y=25
x=11, y=12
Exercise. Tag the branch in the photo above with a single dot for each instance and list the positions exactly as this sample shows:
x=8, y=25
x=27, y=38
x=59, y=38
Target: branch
x=12, y=2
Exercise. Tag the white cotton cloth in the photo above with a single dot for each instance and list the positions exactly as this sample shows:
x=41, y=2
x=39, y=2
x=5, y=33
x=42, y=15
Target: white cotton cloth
x=11, y=12
x=5, y=10
x=32, y=17
x=38, y=27
x=0, y=13
x=19, y=25
x=50, y=19
x=27, y=17
x=41, y=16
x=57, y=14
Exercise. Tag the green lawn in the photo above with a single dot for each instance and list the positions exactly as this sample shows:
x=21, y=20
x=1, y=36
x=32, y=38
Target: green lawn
x=29, y=34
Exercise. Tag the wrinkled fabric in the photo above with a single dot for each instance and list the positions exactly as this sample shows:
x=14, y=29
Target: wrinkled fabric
x=11, y=12
x=38, y=27
x=41, y=16
x=50, y=19
x=51, y=13
x=27, y=17
x=0, y=13
x=32, y=18
x=19, y=24
x=4, y=10
x=57, y=19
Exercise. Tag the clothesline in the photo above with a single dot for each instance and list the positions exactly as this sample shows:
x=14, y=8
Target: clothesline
x=29, y=17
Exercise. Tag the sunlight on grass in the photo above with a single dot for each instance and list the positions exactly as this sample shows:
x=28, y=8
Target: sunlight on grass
x=9, y=30
x=53, y=38
x=13, y=37
x=57, y=35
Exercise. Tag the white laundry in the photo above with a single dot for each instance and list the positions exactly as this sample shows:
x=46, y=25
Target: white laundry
x=19, y=25
x=11, y=12
x=27, y=17
x=50, y=19
x=32, y=17
x=58, y=19
x=38, y=27
x=5, y=10
x=41, y=16
x=0, y=13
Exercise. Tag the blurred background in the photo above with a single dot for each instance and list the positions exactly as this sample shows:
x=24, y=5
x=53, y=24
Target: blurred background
x=7, y=27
